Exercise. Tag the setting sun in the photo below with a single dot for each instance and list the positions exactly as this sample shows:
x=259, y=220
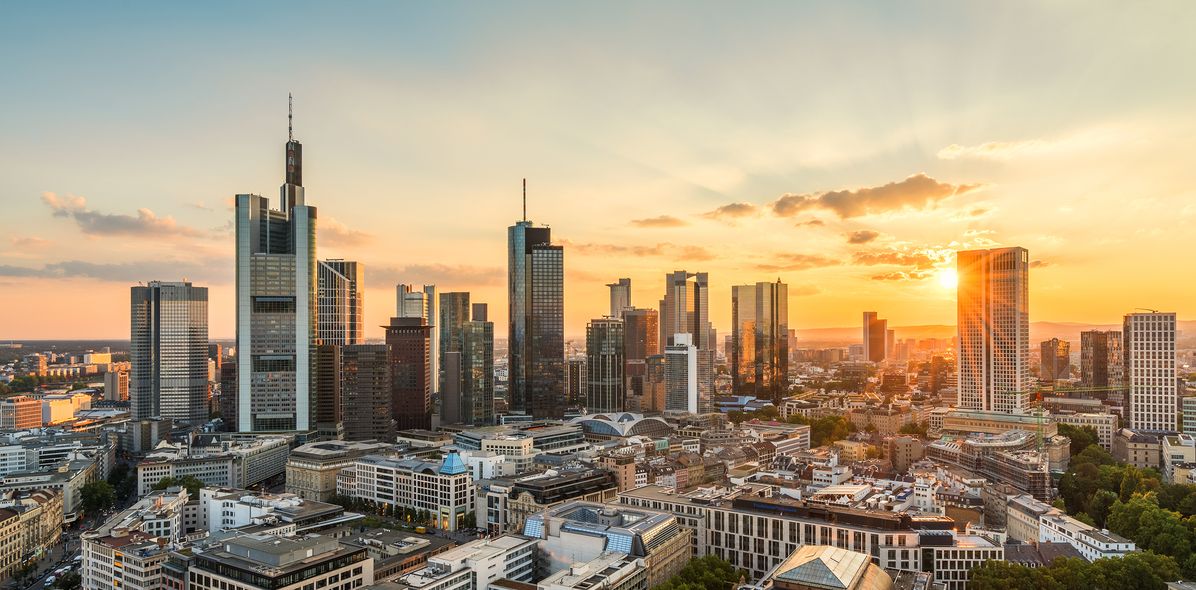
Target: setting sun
x=948, y=278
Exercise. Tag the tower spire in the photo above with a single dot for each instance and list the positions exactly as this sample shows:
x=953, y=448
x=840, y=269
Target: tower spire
x=525, y=199
x=290, y=117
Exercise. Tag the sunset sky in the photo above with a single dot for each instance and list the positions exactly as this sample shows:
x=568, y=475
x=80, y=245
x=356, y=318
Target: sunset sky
x=848, y=148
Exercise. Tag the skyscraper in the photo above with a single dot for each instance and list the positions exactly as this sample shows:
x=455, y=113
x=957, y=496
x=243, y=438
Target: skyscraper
x=477, y=360
x=760, y=339
x=994, y=330
x=1054, y=360
x=620, y=297
x=1150, y=366
x=328, y=412
x=536, y=335
x=641, y=331
x=366, y=390
x=276, y=306
x=1102, y=359
x=341, y=302
x=681, y=375
x=576, y=377
x=604, y=365
x=409, y=344
x=421, y=304
x=685, y=309
x=875, y=333
x=454, y=314
x=168, y=352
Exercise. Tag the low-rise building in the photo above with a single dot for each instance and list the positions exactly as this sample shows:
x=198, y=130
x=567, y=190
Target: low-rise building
x=508, y=502
x=217, y=460
x=267, y=562
x=1179, y=456
x=608, y=571
x=444, y=490
x=121, y=559
x=814, y=567
x=312, y=468
x=475, y=565
x=1105, y=424
x=397, y=553
x=1140, y=449
x=1091, y=542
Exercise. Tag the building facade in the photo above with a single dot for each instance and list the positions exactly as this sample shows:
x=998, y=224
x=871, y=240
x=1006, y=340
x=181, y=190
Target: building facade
x=168, y=352
x=536, y=335
x=993, y=359
x=341, y=302
x=875, y=331
x=410, y=348
x=1054, y=360
x=759, y=355
x=1150, y=366
x=445, y=491
x=605, y=362
x=421, y=304
x=620, y=297
x=366, y=392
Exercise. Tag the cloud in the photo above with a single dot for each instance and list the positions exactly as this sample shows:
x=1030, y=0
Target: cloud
x=732, y=211
x=661, y=221
x=28, y=241
x=810, y=223
x=199, y=205
x=917, y=259
x=996, y=150
x=218, y=270
x=789, y=262
x=918, y=192
x=446, y=276
x=678, y=252
x=145, y=224
x=862, y=236
x=1039, y=263
x=899, y=275
x=334, y=233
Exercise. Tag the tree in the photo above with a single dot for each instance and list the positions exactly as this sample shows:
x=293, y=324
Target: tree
x=69, y=581
x=190, y=482
x=1081, y=437
x=703, y=573
x=736, y=417
x=1141, y=570
x=470, y=520
x=915, y=428
x=97, y=495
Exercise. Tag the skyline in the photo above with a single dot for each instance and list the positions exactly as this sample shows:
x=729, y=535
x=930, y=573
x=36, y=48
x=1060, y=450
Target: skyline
x=642, y=161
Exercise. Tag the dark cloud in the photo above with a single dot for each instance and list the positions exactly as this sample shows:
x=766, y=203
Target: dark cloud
x=674, y=251
x=144, y=224
x=661, y=221
x=797, y=262
x=448, y=275
x=217, y=271
x=916, y=192
x=334, y=233
x=732, y=211
x=862, y=236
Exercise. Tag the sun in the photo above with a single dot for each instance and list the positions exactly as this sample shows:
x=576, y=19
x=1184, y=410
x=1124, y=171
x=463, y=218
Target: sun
x=948, y=278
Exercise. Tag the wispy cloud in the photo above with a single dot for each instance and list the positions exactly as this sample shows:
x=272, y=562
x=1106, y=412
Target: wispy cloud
x=918, y=192
x=218, y=271
x=445, y=276
x=335, y=233
x=1091, y=139
x=28, y=241
x=732, y=211
x=791, y=262
x=674, y=251
x=661, y=221
x=144, y=224
x=862, y=236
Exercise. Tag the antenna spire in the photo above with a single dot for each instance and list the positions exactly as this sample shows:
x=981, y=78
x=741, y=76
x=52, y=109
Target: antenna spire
x=525, y=199
x=290, y=117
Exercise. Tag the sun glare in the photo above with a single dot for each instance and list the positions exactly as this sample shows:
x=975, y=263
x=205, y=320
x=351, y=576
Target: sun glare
x=948, y=278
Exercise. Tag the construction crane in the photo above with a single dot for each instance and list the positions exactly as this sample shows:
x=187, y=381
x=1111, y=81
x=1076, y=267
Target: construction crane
x=1063, y=390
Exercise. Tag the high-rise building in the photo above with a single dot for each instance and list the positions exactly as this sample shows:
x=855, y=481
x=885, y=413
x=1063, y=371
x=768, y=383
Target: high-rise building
x=421, y=304
x=168, y=352
x=276, y=306
x=328, y=412
x=685, y=309
x=536, y=341
x=620, y=297
x=1150, y=366
x=454, y=314
x=994, y=330
x=681, y=375
x=216, y=355
x=604, y=365
x=365, y=391
x=1102, y=359
x=477, y=368
x=875, y=333
x=759, y=355
x=409, y=341
x=575, y=382
x=641, y=332
x=1054, y=361
x=341, y=302
x=116, y=386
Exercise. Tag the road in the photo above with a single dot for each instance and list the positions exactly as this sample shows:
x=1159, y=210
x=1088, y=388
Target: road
x=61, y=554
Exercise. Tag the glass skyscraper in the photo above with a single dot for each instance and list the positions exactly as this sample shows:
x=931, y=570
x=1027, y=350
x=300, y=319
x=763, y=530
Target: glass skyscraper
x=168, y=352
x=536, y=335
x=341, y=288
x=760, y=339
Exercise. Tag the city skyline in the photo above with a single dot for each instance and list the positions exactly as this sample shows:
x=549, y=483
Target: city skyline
x=811, y=178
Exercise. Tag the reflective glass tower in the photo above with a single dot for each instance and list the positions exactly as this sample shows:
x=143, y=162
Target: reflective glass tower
x=168, y=352
x=994, y=330
x=760, y=339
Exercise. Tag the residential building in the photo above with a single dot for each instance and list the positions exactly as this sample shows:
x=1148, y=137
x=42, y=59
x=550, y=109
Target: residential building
x=993, y=355
x=1054, y=360
x=276, y=306
x=1091, y=542
x=168, y=352
x=620, y=297
x=536, y=337
x=367, y=391
x=340, y=302
x=41, y=520
x=422, y=304
x=312, y=468
x=1178, y=453
x=444, y=490
x=875, y=333
x=11, y=542
x=604, y=365
x=1150, y=366
x=409, y=344
x=759, y=356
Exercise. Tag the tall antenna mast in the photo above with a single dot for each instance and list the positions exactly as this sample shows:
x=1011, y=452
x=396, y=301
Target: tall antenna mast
x=290, y=117
x=525, y=199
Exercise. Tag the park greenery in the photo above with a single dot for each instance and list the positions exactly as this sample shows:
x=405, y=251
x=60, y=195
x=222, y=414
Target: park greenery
x=97, y=496
x=1135, y=571
x=823, y=431
x=704, y=573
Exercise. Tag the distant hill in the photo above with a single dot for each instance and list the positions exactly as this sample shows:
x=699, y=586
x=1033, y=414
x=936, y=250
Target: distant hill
x=1039, y=331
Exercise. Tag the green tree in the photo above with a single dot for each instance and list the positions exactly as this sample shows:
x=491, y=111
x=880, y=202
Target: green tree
x=190, y=482
x=703, y=573
x=736, y=417
x=97, y=495
x=69, y=581
x=1081, y=437
x=915, y=428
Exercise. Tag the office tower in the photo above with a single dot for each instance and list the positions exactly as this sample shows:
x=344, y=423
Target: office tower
x=409, y=341
x=168, y=352
x=477, y=367
x=890, y=341
x=216, y=355
x=1150, y=368
x=454, y=314
x=341, y=302
x=536, y=336
x=365, y=389
x=276, y=306
x=228, y=397
x=1102, y=359
x=759, y=355
x=875, y=332
x=576, y=376
x=620, y=297
x=328, y=411
x=994, y=330
x=653, y=397
x=681, y=375
x=641, y=332
x=1054, y=360
x=685, y=309
x=604, y=365
x=421, y=304
x=116, y=386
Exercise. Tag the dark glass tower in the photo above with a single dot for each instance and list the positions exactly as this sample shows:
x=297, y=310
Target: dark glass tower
x=536, y=294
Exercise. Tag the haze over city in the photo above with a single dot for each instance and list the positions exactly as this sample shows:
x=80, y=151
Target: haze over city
x=840, y=148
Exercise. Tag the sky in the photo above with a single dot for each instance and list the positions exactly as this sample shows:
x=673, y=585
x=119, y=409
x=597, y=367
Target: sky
x=847, y=148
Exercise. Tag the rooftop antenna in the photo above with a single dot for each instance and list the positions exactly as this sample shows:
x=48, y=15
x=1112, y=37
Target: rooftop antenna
x=525, y=199
x=290, y=116
x=1146, y=309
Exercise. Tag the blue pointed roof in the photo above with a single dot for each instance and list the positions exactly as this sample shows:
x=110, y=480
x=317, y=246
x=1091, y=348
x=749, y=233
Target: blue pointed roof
x=453, y=465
